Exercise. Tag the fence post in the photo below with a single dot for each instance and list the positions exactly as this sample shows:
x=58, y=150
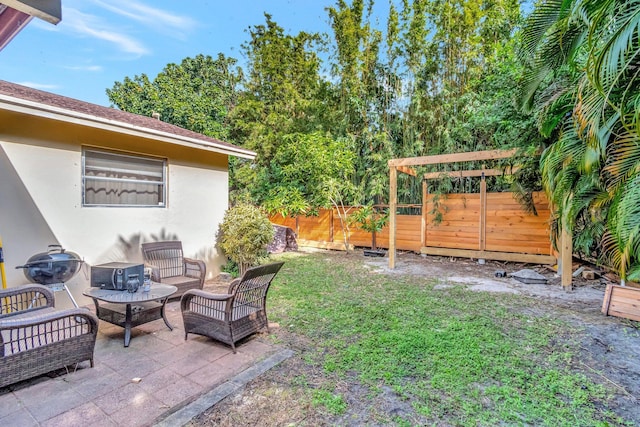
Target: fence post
x=483, y=212
x=423, y=227
x=393, y=202
x=566, y=255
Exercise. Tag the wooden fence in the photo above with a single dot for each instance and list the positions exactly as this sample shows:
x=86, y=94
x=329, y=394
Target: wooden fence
x=501, y=227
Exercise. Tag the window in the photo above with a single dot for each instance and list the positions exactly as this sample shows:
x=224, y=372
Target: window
x=115, y=179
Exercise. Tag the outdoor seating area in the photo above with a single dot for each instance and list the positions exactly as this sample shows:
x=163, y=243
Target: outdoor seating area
x=35, y=338
x=170, y=267
x=232, y=316
x=142, y=384
x=453, y=187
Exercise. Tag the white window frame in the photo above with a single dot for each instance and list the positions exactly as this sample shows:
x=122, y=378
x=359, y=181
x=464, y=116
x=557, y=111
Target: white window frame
x=160, y=177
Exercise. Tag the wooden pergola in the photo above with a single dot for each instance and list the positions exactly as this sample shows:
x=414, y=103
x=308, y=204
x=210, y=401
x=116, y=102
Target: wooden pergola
x=405, y=165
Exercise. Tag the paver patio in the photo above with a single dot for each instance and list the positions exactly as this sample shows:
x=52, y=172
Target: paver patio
x=157, y=375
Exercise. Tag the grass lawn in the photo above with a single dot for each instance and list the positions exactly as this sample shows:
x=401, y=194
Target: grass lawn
x=446, y=356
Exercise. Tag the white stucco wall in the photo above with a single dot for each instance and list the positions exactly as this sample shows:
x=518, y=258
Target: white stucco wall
x=41, y=204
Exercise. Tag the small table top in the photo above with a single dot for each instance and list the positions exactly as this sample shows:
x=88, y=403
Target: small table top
x=158, y=291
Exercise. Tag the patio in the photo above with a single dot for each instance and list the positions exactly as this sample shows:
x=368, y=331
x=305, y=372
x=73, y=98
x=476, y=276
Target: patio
x=160, y=379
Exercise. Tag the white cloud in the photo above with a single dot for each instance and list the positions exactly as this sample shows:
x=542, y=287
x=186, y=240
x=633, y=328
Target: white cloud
x=84, y=68
x=92, y=26
x=34, y=85
x=159, y=19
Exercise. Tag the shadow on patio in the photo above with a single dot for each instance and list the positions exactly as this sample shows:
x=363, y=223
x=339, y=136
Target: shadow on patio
x=159, y=379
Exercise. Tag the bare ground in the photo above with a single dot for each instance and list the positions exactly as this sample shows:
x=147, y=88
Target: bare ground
x=610, y=349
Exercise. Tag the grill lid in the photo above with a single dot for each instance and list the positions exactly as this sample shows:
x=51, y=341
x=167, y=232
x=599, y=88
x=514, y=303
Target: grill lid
x=54, y=266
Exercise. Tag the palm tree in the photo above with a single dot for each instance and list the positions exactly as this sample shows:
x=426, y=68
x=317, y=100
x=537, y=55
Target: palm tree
x=584, y=60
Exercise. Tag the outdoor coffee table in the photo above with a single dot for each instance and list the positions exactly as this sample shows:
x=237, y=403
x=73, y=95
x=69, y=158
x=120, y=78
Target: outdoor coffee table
x=130, y=309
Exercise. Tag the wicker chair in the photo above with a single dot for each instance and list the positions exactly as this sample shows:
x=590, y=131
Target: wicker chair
x=170, y=267
x=232, y=316
x=36, y=339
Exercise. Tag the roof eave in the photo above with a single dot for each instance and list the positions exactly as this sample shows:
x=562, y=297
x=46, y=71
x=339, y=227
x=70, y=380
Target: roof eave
x=47, y=10
x=69, y=116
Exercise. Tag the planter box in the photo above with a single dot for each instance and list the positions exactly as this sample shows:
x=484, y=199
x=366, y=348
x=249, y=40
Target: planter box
x=622, y=301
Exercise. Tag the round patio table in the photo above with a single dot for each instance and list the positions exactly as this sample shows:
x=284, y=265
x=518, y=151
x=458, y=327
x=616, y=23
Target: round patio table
x=131, y=309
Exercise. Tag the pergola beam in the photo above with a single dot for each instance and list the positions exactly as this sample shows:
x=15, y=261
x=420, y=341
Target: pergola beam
x=407, y=170
x=469, y=173
x=452, y=158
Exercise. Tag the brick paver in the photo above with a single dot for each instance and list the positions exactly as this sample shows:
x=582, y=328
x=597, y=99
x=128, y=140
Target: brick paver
x=131, y=386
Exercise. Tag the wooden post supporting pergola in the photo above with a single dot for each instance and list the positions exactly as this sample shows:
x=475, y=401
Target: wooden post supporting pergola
x=565, y=264
x=393, y=203
x=404, y=165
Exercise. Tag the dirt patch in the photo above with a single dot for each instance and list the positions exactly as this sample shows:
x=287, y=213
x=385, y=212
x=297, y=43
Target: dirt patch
x=482, y=277
x=609, y=348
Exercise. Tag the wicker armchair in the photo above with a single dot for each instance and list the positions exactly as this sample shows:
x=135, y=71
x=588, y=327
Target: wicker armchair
x=232, y=316
x=36, y=339
x=169, y=266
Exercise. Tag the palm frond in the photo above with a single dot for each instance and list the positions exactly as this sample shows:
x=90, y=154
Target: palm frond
x=610, y=253
x=589, y=112
x=549, y=39
x=628, y=211
x=634, y=272
x=553, y=103
x=586, y=190
x=532, y=79
x=623, y=159
x=562, y=43
x=545, y=15
x=611, y=60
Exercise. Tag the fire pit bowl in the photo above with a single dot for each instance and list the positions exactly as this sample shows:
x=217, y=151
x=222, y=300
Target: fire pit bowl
x=51, y=267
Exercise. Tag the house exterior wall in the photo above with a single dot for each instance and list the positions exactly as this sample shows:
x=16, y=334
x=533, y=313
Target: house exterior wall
x=41, y=199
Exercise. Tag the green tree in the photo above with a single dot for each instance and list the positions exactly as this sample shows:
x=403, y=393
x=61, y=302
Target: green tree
x=368, y=218
x=196, y=94
x=583, y=82
x=310, y=171
x=450, y=53
x=282, y=94
x=365, y=91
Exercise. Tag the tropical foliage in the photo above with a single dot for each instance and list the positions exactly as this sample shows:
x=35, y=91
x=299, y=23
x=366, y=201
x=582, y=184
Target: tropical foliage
x=583, y=81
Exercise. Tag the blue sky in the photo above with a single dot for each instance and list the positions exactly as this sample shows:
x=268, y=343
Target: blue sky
x=100, y=42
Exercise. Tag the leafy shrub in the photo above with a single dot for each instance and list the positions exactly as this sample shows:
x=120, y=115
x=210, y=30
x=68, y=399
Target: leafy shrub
x=231, y=267
x=369, y=219
x=244, y=235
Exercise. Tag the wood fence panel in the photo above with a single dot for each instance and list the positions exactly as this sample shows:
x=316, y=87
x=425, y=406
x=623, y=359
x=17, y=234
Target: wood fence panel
x=359, y=237
x=511, y=229
x=356, y=237
x=507, y=229
x=622, y=302
x=316, y=228
x=407, y=233
x=459, y=224
x=285, y=221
